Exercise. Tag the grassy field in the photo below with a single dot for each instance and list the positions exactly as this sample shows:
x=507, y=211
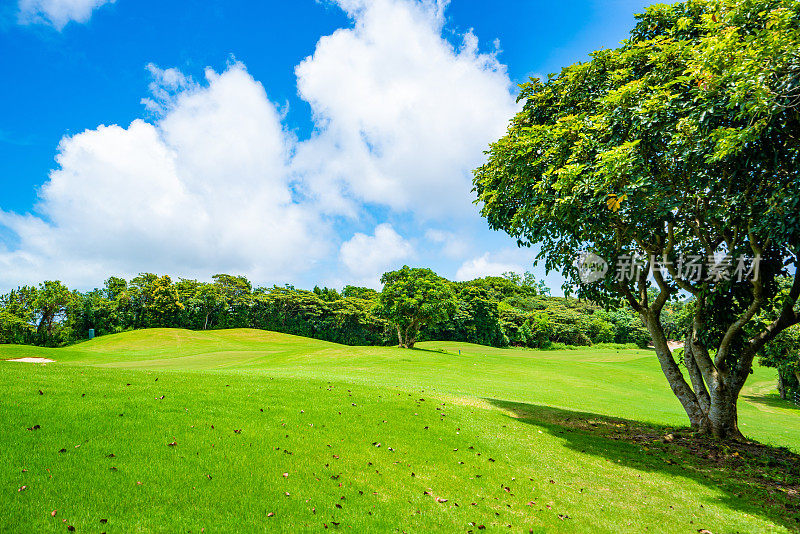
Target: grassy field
x=242, y=430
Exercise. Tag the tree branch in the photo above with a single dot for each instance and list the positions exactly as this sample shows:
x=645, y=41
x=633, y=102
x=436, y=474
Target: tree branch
x=736, y=328
x=788, y=317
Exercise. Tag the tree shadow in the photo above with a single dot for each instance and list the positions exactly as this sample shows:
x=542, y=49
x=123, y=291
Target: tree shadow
x=772, y=400
x=754, y=478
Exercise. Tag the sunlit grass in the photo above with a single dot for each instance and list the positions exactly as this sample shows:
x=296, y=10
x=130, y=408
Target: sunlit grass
x=297, y=425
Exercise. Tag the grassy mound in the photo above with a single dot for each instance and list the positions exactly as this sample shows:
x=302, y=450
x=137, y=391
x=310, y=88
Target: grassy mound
x=244, y=430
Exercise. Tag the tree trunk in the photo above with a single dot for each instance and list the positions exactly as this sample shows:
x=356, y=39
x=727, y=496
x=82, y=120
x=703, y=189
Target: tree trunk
x=697, y=416
x=696, y=376
x=723, y=416
x=406, y=338
x=781, y=387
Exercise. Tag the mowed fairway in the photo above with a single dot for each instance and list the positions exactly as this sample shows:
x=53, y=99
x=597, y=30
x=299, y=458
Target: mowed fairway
x=243, y=430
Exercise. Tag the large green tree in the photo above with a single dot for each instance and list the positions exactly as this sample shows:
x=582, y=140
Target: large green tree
x=412, y=298
x=682, y=146
x=51, y=303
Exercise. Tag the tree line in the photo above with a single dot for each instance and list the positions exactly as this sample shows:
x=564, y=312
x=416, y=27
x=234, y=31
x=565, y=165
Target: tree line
x=500, y=311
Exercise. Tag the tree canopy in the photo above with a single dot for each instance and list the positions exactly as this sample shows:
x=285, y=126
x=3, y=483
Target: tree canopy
x=415, y=297
x=679, y=146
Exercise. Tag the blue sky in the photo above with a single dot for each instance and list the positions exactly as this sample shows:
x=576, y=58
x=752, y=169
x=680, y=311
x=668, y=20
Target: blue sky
x=310, y=142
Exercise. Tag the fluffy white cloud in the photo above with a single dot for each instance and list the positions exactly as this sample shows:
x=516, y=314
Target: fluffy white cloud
x=368, y=257
x=402, y=116
x=204, y=188
x=216, y=183
x=58, y=13
x=484, y=266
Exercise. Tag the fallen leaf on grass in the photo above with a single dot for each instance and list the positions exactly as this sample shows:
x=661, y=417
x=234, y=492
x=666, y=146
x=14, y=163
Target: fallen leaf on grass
x=53, y=513
x=173, y=444
x=23, y=488
x=440, y=500
x=271, y=514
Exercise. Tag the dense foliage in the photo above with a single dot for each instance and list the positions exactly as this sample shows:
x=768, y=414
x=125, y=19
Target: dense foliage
x=412, y=298
x=679, y=147
x=784, y=354
x=496, y=310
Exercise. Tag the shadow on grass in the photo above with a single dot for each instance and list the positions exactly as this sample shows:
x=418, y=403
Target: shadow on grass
x=754, y=478
x=772, y=400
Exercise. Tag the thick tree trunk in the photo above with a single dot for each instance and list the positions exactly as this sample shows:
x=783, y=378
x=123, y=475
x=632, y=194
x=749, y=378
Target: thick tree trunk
x=781, y=387
x=697, y=416
x=408, y=337
x=723, y=416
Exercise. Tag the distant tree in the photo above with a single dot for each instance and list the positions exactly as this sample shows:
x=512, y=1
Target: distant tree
x=783, y=353
x=52, y=300
x=208, y=298
x=17, y=311
x=165, y=305
x=360, y=292
x=115, y=287
x=476, y=319
x=681, y=144
x=412, y=298
x=237, y=296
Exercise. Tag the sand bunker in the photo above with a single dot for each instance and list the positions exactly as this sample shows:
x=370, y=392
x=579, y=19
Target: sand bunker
x=32, y=360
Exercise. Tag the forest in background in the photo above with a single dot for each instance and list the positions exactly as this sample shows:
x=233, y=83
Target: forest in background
x=497, y=310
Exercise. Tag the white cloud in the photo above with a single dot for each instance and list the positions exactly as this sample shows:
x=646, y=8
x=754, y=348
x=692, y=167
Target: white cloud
x=58, y=13
x=484, y=266
x=368, y=257
x=214, y=182
x=402, y=116
x=451, y=245
x=204, y=188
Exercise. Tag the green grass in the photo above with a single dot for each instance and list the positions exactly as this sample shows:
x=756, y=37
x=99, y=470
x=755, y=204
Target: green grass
x=532, y=438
